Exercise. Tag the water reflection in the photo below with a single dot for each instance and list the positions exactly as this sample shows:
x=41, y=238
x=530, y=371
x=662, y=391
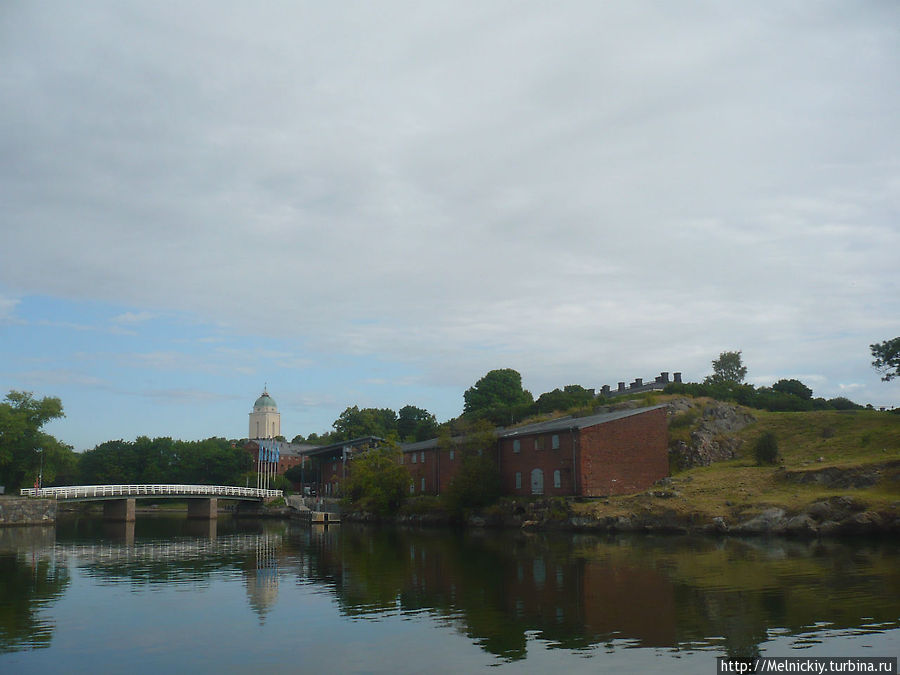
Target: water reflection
x=502, y=590
x=30, y=579
x=580, y=592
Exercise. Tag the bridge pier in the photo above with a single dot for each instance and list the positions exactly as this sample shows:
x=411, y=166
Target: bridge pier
x=203, y=508
x=120, y=510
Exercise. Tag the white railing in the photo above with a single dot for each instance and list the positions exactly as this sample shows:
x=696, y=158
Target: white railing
x=110, y=491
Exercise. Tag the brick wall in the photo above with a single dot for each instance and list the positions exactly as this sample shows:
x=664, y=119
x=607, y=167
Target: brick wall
x=536, y=452
x=624, y=456
x=437, y=470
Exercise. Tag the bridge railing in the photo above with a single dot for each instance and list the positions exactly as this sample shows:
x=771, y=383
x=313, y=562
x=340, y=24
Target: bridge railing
x=101, y=491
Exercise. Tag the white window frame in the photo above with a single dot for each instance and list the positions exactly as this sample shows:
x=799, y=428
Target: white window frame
x=518, y=480
x=557, y=478
x=554, y=442
x=517, y=446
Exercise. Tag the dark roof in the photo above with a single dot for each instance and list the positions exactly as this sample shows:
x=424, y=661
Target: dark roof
x=558, y=424
x=425, y=445
x=285, y=448
x=327, y=449
x=569, y=422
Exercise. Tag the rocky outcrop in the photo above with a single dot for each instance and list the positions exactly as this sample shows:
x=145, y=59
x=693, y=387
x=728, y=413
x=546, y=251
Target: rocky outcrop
x=711, y=440
x=838, y=477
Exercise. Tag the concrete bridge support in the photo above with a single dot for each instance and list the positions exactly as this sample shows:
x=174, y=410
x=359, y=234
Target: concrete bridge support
x=207, y=509
x=120, y=510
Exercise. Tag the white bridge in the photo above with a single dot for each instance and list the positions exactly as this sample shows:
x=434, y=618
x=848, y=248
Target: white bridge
x=119, y=500
x=99, y=492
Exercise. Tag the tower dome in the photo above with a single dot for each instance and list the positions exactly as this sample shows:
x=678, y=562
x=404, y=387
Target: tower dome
x=265, y=420
x=265, y=401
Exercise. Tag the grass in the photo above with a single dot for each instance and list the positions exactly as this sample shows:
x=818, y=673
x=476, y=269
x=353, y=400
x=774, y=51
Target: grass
x=807, y=441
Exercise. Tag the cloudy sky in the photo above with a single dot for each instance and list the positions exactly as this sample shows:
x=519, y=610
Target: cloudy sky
x=376, y=203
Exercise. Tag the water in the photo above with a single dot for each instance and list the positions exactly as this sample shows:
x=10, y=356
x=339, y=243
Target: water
x=171, y=595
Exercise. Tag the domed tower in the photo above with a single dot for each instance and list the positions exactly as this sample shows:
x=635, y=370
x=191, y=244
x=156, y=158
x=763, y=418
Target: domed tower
x=265, y=420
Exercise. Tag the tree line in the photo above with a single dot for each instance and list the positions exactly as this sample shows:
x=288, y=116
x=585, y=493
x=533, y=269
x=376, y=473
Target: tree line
x=498, y=399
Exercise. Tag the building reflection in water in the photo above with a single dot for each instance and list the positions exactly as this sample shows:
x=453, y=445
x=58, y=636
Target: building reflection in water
x=262, y=583
x=580, y=593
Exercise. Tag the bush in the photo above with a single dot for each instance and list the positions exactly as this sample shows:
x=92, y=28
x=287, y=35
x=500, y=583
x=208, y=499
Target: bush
x=766, y=449
x=377, y=483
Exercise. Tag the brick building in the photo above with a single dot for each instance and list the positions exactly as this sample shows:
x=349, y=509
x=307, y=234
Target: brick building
x=330, y=465
x=618, y=452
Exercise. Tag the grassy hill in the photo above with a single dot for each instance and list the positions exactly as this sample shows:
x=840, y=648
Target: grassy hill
x=822, y=454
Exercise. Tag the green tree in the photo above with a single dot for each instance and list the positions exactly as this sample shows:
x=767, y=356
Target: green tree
x=727, y=369
x=295, y=474
x=377, y=482
x=356, y=423
x=214, y=461
x=570, y=396
x=793, y=387
x=416, y=424
x=498, y=396
x=476, y=482
x=887, y=358
x=23, y=446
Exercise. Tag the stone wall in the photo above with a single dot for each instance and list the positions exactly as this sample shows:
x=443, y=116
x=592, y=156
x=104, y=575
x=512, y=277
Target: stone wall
x=23, y=511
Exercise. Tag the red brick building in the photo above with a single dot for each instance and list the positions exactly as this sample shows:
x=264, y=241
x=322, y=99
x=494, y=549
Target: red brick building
x=618, y=452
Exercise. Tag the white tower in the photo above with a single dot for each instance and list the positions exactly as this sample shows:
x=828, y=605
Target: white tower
x=265, y=420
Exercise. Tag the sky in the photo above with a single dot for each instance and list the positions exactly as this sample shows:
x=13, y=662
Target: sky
x=375, y=204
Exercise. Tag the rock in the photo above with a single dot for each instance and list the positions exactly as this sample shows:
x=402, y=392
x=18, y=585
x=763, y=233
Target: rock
x=623, y=524
x=866, y=522
x=802, y=525
x=832, y=476
x=709, y=441
x=770, y=521
x=834, y=508
x=719, y=525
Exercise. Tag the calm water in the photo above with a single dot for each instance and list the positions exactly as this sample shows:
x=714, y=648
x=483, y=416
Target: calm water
x=170, y=595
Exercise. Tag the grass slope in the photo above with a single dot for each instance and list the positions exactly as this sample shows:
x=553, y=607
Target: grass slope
x=807, y=441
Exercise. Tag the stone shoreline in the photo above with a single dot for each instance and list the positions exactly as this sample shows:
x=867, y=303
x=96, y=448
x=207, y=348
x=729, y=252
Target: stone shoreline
x=834, y=517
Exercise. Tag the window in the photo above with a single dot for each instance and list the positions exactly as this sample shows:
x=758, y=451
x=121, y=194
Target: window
x=412, y=488
x=557, y=479
x=554, y=441
x=537, y=443
x=517, y=445
x=414, y=458
x=518, y=480
x=423, y=485
x=422, y=457
x=452, y=454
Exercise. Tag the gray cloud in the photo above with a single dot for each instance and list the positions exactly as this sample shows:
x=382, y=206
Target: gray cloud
x=583, y=191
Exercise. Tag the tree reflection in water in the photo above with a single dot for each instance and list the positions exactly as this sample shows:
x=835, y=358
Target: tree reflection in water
x=30, y=579
x=503, y=590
